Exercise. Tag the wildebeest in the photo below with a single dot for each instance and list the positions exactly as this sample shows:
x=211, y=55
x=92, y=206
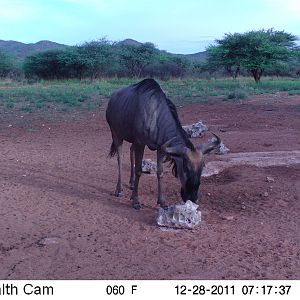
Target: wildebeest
x=142, y=115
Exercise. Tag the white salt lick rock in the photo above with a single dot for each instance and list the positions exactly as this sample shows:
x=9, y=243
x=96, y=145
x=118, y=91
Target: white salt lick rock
x=180, y=216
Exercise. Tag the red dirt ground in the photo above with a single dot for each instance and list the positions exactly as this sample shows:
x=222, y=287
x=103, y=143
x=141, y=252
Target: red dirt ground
x=60, y=221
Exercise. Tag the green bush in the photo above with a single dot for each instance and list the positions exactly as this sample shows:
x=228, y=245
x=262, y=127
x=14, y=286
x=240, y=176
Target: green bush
x=237, y=94
x=6, y=65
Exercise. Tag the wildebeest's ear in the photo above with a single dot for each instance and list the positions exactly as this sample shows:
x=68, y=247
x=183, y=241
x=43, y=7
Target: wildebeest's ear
x=212, y=145
x=178, y=150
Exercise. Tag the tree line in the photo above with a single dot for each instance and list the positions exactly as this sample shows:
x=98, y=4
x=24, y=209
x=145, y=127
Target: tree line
x=102, y=58
x=252, y=53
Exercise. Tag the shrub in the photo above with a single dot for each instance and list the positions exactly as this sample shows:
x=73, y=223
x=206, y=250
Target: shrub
x=236, y=94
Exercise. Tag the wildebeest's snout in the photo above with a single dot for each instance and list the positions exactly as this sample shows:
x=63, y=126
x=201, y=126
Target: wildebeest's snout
x=193, y=196
x=190, y=190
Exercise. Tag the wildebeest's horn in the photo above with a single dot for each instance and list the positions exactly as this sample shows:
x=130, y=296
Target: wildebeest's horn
x=173, y=150
x=212, y=145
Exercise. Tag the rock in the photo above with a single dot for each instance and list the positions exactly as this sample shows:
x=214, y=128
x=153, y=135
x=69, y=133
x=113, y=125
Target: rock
x=270, y=179
x=149, y=166
x=222, y=149
x=228, y=218
x=195, y=129
x=48, y=241
x=179, y=215
x=266, y=194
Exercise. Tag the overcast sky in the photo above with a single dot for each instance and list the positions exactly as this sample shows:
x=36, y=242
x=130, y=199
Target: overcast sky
x=178, y=26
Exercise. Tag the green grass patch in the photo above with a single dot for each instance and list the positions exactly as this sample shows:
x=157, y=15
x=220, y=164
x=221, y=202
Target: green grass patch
x=57, y=95
x=88, y=95
x=294, y=92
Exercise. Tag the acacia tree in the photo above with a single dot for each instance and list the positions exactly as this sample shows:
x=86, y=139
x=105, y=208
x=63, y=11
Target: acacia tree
x=255, y=51
x=135, y=58
x=97, y=56
x=6, y=64
x=73, y=63
x=226, y=54
x=167, y=65
x=46, y=65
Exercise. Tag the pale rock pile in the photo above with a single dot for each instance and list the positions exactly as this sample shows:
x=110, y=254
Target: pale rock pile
x=222, y=149
x=182, y=215
x=195, y=130
x=149, y=166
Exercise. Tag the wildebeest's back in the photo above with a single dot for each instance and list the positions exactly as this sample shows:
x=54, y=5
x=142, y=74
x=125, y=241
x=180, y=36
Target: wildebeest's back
x=141, y=113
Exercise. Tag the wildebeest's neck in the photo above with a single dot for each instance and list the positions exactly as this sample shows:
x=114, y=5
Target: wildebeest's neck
x=181, y=135
x=160, y=121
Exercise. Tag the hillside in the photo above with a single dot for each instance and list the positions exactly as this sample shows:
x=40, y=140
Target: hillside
x=21, y=50
x=130, y=42
x=199, y=56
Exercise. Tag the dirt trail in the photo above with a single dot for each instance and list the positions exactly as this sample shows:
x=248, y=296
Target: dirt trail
x=257, y=159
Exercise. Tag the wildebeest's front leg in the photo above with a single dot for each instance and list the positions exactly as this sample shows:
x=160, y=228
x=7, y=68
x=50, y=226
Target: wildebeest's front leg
x=160, y=190
x=131, y=180
x=138, y=153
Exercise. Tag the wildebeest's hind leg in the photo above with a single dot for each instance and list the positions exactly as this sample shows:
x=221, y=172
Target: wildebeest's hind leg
x=116, y=147
x=138, y=154
x=131, y=180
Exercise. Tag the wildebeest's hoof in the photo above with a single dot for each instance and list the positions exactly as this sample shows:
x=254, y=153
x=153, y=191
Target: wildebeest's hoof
x=162, y=205
x=137, y=206
x=165, y=207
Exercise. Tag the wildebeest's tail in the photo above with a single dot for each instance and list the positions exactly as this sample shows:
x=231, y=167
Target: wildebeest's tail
x=113, y=150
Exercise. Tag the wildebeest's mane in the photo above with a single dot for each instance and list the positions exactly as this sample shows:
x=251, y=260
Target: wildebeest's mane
x=150, y=85
x=184, y=135
x=153, y=88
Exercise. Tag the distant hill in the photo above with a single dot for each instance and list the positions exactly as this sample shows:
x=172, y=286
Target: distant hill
x=21, y=50
x=130, y=42
x=199, y=56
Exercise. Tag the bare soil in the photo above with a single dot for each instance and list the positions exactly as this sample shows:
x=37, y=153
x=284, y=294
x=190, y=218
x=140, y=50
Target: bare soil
x=58, y=219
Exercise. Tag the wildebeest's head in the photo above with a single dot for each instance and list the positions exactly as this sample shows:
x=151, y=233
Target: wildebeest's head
x=188, y=166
